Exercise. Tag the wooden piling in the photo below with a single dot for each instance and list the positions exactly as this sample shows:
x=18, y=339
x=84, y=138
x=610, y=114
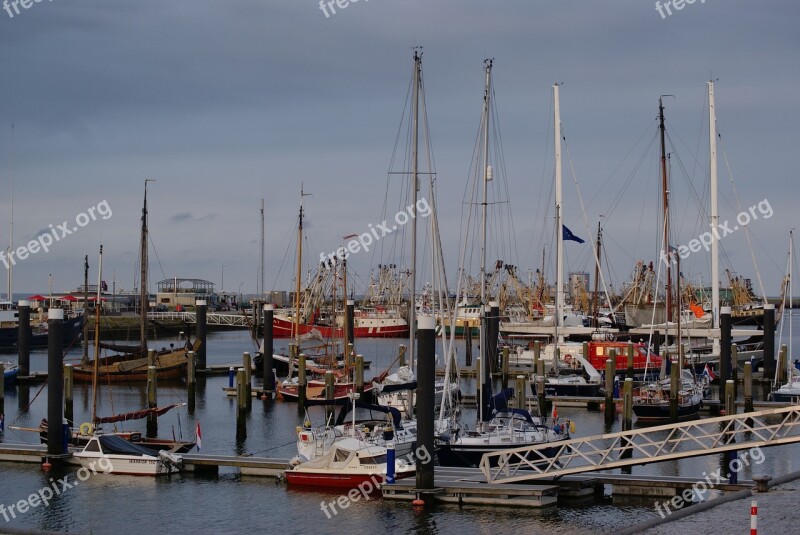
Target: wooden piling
x=542, y=395
x=24, y=337
x=267, y=373
x=301, y=384
x=725, y=345
x=538, y=365
x=55, y=376
x=468, y=346
x=627, y=405
x=521, y=393
x=630, y=360
x=401, y=357
x=612, y=354
x=781, y=371
x=151, y=357
x=674, y=379
x=202, y=333
x=247, y=364
x=329, y=386
x=2, y=390
x=735, y=370
x=152, y=387
x=241, y=404
x=68, y=403
x=769, y=342
x=359, y=374
x=426, y=376
x=191, y=380
x=748, y=387
x=610, y=409
x=730, y=401
x=505, y=368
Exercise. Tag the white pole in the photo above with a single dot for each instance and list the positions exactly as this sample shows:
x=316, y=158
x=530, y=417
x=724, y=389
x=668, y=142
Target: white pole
x=712, y=154
x=753, y=517
x=559, y=223
x=485, y=178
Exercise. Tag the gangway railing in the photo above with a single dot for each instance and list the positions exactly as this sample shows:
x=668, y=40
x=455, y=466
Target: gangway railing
x=230, y=320
x=771, y=427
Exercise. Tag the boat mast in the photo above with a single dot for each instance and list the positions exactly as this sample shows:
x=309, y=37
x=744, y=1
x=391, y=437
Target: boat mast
x=299, y=272
x=487, y=176
x=85, y=357
x=97, y=311
x=143, y=264
x=665, y=191
x=712, y=154
x=11, y=230
x=597, y=276
x=261, y=268
x=559, y=224
x=412, y=309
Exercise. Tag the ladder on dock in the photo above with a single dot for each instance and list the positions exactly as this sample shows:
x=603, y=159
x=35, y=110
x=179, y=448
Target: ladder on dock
x=772, y=427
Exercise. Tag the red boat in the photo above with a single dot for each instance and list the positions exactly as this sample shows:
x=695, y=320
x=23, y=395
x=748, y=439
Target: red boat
x=316, y=390
x=368, y=324
x=599, y=351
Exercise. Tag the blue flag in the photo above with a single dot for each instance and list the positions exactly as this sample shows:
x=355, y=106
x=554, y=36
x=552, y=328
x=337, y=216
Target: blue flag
x=568, y=235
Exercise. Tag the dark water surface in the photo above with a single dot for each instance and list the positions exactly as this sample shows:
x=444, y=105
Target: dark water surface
x=232, y=503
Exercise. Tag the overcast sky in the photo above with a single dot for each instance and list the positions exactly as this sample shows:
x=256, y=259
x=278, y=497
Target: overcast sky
x=226, y=102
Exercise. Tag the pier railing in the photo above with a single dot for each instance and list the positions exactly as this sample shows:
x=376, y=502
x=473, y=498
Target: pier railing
x=230, y=320
x=771, y=427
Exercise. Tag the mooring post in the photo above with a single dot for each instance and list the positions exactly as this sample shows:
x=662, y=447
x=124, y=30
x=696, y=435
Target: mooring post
x=521, y=392
x=268, y=366
x=247, y=364
x=627, y=404
x=782, y=365
x=724, y=345
x=349, y=356
x=426, y=377
x=610, y=408
x=190, y=379
x=329, y=385
x=55, y=379
x=468, y=348
x=351, y=322
x=630, y=359
x=2, y=396
x=730, y=401
x=152, y=387
x=674, y=379
x=748, y=386
x=241, y=404
x=151, y=357
x=730, y=410
x=505, y=368
x=68, y=403
x=231, y=376
x=656, y=343
x=301, y=383
x=24, y=337
x=200, y=311
x=541, y=394
x=612, y=354
x=494, y=333
x=360, y=374
x=769, y=342
x=735, y=370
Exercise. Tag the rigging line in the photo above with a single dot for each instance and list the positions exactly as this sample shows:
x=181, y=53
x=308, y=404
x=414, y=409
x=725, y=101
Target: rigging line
x=746, y=227
x=585, y=218
x=153, y=244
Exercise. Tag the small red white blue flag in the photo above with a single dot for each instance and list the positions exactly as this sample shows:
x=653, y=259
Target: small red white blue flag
x=198, y=436
x=708, y=372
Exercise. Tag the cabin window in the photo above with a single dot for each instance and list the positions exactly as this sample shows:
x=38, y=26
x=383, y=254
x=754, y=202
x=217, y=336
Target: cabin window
x=341, y=456
x=600, y=351
x=378, y=459
x=93, y=446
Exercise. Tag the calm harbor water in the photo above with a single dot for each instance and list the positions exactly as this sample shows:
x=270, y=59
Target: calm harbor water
x=232, y=503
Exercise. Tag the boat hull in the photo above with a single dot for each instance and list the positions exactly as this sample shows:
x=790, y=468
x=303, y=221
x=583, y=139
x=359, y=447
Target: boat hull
x=283, y=328
x=125, y=465
x=316, y=390
x=469, y=455
x=660, y=412
x=9, y=336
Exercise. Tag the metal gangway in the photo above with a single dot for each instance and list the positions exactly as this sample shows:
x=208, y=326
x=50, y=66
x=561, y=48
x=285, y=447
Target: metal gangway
x=771, y=427
x=227, y=320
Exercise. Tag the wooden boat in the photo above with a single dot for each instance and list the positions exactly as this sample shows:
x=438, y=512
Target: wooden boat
x=652, y=405
x=112, y=454
x=349, y=463
x=131, y=364
x=315, y=389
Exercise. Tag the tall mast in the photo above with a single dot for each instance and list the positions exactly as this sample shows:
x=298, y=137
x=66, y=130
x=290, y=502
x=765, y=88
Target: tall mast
x=144, y=293
x=299, y=270
x=665, y=191
x=712, y=155
x=97, y=311
x=85, y=357
x=596, y=277
x=11, y=230
x=261, y=268
x=487, y=176
x=412, y=310
x=559, y=215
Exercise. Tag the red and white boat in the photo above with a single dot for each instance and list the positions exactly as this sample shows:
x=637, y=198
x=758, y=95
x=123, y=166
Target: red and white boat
x=375, y=322
x=349, y=462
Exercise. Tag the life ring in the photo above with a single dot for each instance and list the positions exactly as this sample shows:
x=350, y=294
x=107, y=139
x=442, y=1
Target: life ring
x=86, y=429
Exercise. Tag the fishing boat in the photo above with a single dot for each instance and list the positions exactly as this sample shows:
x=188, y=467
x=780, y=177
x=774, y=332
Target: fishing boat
x=369, y=323
x=349, y=463
x=115, y=455
x=131, y=363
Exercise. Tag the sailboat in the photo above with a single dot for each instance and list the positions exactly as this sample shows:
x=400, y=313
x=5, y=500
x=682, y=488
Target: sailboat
x=498, y=427
x=113, y=453
x=790, y=391
x=132, y=363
